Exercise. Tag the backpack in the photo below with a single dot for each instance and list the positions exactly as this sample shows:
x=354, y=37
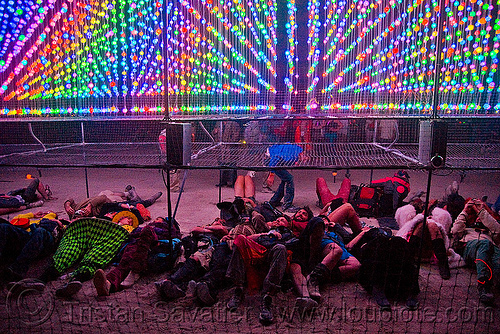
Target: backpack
x=269, y=212
x=366, y=201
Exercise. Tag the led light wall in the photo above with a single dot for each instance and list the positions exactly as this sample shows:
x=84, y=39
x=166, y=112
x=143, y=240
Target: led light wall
x=69, y=57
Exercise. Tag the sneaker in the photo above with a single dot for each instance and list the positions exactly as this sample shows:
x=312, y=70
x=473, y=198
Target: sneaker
x=101, y=284
x=236, y=299
x=69, y=289
x=191, y=289
x=291, y=209
x=266, y=314
x=381, y=299
x=485, y=294
x=131, y=278
x=305, y=303
x=204, y=295
x=169, y=290
x=313, y=288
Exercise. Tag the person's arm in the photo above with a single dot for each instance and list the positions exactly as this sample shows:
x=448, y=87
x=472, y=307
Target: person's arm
x=214, y=228
x=356, y=239
x=325, y=209
x=248, y=200
x=490, y=222
x=254, y=237
x=460, y=223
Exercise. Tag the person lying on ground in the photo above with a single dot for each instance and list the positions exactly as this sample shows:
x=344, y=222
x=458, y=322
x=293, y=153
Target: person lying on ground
x=25, y=198
x=335, y=264
x=203, y=273
x=26, y=239
x=148, y=250
x=388, y=268
x=410, y=219
x=88, y=244
x=476, y=236
x=91, y=207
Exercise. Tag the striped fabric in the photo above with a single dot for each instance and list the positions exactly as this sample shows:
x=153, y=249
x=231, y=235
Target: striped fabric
x=94, y=241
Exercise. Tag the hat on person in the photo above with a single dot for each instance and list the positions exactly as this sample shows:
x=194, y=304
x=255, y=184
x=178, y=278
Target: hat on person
x=126, y=213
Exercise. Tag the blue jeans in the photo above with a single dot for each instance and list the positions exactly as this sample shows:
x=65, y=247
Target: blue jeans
x=24, y=247
x=286, y=188
x=484, y=255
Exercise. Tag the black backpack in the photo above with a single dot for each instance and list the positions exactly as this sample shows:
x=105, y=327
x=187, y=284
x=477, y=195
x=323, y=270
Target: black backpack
x=365, y=200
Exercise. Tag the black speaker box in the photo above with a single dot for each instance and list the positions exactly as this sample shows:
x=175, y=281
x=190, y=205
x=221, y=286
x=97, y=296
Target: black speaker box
x=178, y=144
x=433, y=141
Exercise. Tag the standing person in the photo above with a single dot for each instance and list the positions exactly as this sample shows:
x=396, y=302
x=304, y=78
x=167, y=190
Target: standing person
x=284, y=155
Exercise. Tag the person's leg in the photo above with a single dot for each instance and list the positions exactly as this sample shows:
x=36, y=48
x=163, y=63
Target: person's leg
x=215, y=278
x=239, y=186
x=116, y=276
x=286, y=188
x=278, y=194
x=249, y=188
x=29, y=193
x=346, y=214
x=299, y=281
x=324, y=194
x=331, y=255
x=42, y=189
x=236, y=270
x=439, y=249
x=345, y=190
x=321, y=272
x=277, y=257
x=349, y=267
x=479, y=253
x=12, y=241
x=39, y=243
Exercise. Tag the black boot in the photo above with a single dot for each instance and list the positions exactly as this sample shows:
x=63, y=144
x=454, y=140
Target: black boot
x=50, y=274
x=414, y=245
x=318, y=276
x=485, y=294
x=442, y=257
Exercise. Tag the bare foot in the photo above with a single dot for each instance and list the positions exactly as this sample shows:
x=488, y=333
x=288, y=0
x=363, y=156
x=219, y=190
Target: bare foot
x=87, y=210
x=69, y=210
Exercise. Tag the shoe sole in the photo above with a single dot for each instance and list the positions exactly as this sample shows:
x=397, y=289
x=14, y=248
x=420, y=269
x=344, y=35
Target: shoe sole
x=100, y=284
x=69, y=290
x=204, y=295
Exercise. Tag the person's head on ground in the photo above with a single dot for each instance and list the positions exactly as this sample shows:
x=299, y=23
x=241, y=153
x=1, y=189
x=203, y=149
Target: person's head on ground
x=304, y=214
x=126, y=218
x=280, y=221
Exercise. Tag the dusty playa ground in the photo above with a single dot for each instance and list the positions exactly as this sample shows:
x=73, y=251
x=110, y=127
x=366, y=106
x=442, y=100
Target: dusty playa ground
x=445, y=306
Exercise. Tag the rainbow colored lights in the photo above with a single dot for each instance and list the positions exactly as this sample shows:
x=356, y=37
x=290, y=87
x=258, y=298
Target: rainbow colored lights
x=92, y=57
